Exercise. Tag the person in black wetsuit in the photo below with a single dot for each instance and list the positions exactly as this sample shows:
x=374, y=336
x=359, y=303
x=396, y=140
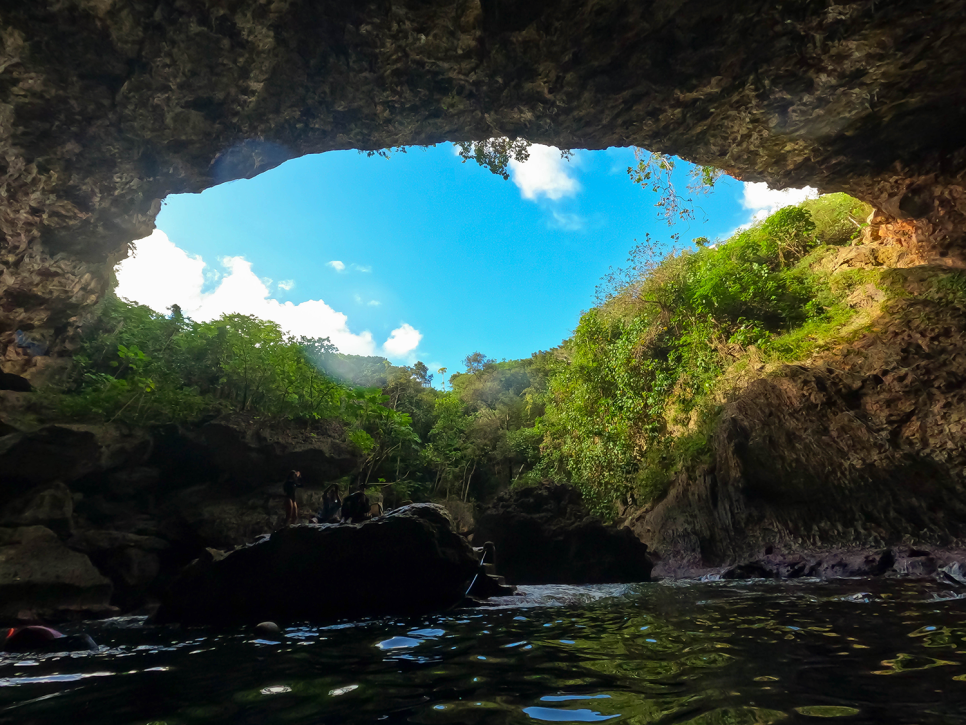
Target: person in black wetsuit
x=293, y=481
x=355, y=508
x=331, y=511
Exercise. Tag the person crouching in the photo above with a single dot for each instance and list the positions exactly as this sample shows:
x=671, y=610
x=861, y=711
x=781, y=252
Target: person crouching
x=355, y=508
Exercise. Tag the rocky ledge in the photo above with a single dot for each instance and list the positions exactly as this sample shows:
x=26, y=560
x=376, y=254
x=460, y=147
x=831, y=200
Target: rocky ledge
x=410, y=561
x=97, y=519
x=546, y=535
x=946, y=565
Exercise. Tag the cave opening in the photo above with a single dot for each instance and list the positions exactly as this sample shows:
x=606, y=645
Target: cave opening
x=816, y=357
x=420, y=256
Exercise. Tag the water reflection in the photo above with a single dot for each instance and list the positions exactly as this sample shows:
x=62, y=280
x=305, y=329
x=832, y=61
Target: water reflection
x=701, y=653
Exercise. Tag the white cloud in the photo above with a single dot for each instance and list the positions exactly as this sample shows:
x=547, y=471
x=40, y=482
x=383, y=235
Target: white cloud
x=763, y=201
x=360, y=268
x=545, y=173
x=567, y=222
x=287, y=285
x=162, y=274
x=336, y=265
x=402, y=341
x=374, y=303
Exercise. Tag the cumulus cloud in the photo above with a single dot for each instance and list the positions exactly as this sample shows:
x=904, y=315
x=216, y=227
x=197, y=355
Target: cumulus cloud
x=763, y=201
x=361, y=268
x=402, y=341
x=336, y=265
x=374, y=303
x=162, y=274
x=545, y=174
x=287, y=285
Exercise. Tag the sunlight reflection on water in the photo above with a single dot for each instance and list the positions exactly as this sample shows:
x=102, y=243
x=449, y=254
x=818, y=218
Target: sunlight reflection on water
x=721, y=653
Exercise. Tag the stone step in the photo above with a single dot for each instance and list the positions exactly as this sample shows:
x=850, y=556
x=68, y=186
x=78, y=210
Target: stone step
x=490, y=569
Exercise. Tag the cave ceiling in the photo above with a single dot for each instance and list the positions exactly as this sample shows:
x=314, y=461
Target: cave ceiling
x=107, y=106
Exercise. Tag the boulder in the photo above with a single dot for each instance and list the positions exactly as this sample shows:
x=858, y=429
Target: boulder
x=826, y=565
x=545, y=535
x=133, y=482
x=40, y=578
x=51, y=506
x=410, y=561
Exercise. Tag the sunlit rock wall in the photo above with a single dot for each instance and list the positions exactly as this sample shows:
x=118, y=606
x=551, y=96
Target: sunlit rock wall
x=106, y=106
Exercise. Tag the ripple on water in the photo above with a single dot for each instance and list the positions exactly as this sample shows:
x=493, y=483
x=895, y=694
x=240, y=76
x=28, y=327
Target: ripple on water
x=722, y=653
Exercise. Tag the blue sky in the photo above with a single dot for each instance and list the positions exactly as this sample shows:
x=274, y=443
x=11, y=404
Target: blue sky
x=419, y=256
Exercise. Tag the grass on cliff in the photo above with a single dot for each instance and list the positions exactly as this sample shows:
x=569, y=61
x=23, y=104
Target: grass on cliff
x=640, y=385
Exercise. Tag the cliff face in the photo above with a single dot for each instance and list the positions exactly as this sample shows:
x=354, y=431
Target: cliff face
x=862, y=450
x=107, y=106
x=102, y=516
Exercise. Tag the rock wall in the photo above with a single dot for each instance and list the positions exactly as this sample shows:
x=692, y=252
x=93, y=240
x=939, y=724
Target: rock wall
x=108, y=106
x=546, y=535
x=96, y=519
x=862, y=450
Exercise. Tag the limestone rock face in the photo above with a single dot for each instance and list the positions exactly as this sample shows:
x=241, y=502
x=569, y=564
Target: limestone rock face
x=40, y=578
x=107, y=107
x=410, y=561
x=545, y=535
x=863, y=451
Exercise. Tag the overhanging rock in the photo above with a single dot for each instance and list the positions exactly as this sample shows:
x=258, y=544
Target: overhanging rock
x=107, y=106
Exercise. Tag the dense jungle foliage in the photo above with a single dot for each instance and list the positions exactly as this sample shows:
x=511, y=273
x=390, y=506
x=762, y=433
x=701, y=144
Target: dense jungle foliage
x=674, y=336
x=619, y=408
x=142, y=368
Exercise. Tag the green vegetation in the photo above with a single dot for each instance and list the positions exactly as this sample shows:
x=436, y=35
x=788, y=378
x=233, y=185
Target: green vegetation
x=140, y=367
x=643, y=378
x=619, y=409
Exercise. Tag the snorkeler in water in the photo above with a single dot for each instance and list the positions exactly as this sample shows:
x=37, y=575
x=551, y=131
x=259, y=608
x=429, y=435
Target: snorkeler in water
x=34, y=638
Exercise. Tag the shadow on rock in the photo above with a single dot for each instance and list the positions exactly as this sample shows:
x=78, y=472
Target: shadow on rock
x=545, y=535
x=410, y=561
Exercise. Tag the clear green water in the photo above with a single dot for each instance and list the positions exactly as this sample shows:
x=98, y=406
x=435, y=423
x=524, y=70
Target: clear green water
x=869, y=651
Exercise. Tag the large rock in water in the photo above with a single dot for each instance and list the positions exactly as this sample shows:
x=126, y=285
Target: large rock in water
x=410, y=561
x=546, y=535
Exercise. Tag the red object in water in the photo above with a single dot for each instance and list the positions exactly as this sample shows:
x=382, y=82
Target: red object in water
x=29, y=637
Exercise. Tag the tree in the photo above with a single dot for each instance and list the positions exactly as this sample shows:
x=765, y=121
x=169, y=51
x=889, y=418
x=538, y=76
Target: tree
x=655, y=170
x=495, y=154
x=475, y=362
x=422, y=374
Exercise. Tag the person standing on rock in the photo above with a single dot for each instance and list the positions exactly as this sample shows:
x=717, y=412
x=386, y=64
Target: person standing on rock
x=355, y=508
x=331, y=510
x=293, y=481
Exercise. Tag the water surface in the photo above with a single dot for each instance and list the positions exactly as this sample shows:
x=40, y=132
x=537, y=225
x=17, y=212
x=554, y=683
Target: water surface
x=856, y=651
